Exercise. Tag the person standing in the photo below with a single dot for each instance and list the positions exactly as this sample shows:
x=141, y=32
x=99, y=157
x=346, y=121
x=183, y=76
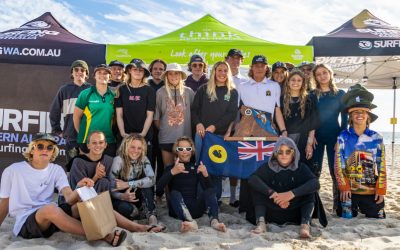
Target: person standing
x=220, y=96
x=94, y=110
x=117, y=74
x=63, y=105
x=280, y=74
x=307, y=69
x=156, y=68
x=172, y=116
x=300, y=114
x=198, y=68
x=235, y=59
x=135, y=103
x=330, y=107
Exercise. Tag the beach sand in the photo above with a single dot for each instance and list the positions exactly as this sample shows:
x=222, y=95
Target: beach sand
x=356, y=233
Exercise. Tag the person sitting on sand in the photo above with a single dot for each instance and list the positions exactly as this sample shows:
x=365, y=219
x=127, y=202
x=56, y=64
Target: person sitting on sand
x=131, y=169
x=360, y=166
x=27, y=189
x=97, y=166
x=186, y=200
x=284, y=189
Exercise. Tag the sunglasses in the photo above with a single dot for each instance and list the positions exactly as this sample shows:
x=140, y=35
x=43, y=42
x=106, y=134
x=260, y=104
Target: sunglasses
x=285, y=152
x=307, y=69
x=197, y=65
x=181, y=149
x=41, y=147
x=79, y=70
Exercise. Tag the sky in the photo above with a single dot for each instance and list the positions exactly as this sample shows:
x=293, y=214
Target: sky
x=126, y=21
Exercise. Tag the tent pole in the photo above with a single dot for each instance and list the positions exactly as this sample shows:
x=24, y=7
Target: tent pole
x=394, y=115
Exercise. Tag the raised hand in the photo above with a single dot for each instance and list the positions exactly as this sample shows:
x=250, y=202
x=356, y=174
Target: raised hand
x=202, y=169
x=178, y=168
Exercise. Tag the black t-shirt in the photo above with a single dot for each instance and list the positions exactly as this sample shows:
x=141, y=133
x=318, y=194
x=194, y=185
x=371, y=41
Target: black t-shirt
x=135, y=102
x=154, y=85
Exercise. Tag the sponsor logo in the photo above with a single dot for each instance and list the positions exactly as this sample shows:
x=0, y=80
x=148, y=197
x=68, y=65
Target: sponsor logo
x=122, y=53
x=364, y=44
x=13, y=51
x=35, y=25
x=30, y=31
x=297, y=55
x=379, y=44
x=208, y=35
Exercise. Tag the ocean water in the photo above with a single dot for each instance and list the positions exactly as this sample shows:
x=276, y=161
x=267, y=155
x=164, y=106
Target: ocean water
x=387, y=137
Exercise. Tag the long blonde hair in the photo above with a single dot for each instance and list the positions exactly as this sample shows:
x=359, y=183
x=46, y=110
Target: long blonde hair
x=123, y=153
x=212, y=85
x=287, y=96
x=332, y=86
x=168, y=86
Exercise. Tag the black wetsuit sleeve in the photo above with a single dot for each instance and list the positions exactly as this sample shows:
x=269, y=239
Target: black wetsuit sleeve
x=259, y=185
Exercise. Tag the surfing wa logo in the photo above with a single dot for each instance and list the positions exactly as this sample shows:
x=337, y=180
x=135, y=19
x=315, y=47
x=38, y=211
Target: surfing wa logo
x=13, y=51
x=365, y=45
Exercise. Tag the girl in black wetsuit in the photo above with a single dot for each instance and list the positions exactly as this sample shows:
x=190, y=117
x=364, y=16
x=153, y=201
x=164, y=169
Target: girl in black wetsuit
x=186, y=200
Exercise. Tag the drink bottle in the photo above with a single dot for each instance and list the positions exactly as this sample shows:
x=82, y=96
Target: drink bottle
x=346, y=209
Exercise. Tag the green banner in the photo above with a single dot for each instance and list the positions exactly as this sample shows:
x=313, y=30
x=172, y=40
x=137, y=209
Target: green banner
x=211, y=39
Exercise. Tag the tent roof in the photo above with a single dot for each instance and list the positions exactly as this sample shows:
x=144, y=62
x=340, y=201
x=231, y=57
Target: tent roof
x=365, y=25
x=206, y=30
x=44, y=40
x=210, y=38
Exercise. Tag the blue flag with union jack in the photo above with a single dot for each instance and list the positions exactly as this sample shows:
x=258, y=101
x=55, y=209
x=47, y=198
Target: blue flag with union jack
x=232, y=158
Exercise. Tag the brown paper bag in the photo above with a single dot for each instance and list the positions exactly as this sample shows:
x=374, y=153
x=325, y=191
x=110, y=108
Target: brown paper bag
x=97, y=216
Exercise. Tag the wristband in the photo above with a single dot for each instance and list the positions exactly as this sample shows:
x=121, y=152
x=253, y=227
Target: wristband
x=283, y=131
x=131, y=183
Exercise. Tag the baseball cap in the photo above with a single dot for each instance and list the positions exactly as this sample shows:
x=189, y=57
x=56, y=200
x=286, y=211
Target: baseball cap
x=44, y=136
x=235, y=52
x=116, y=63
x=278, y=65
x=259, y=59
x=196, y=58
x=102, y=66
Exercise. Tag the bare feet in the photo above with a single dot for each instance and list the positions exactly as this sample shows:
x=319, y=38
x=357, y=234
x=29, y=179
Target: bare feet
x=219, y=226
x=187, y=226
x=260, y=228
x=152, y=220
x=305, y=231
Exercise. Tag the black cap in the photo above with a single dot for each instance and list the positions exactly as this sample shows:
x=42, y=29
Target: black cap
x=116, y=63
x=279, y=65
x=259, y=59
x=102, y=66
x=235, y=52
x=140, y=64
x=44, y=136
x=196, y=58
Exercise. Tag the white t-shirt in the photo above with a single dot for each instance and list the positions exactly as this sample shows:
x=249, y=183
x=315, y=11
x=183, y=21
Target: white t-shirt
x=238, y=79
x=29, y=189
x=262, y=95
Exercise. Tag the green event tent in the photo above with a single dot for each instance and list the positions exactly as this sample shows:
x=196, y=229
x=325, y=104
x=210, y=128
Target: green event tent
x=209, y=38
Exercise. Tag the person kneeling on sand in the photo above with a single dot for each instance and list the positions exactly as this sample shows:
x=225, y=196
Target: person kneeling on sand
x=26, y=193
x=186, y=200
x=284, y=189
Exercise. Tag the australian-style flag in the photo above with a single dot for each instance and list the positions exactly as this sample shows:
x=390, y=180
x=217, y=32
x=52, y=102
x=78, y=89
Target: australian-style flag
x=231, y=158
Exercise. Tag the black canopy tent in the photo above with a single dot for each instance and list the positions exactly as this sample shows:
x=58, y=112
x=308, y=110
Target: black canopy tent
x=35, y=61
x=363, y=50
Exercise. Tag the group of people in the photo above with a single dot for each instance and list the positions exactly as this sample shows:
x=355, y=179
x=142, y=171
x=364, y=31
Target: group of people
x=132, y=136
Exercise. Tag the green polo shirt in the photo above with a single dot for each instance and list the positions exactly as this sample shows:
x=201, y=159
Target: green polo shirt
x=98, y=113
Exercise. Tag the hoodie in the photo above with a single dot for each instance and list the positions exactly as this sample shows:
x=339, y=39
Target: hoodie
x=272, y=177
